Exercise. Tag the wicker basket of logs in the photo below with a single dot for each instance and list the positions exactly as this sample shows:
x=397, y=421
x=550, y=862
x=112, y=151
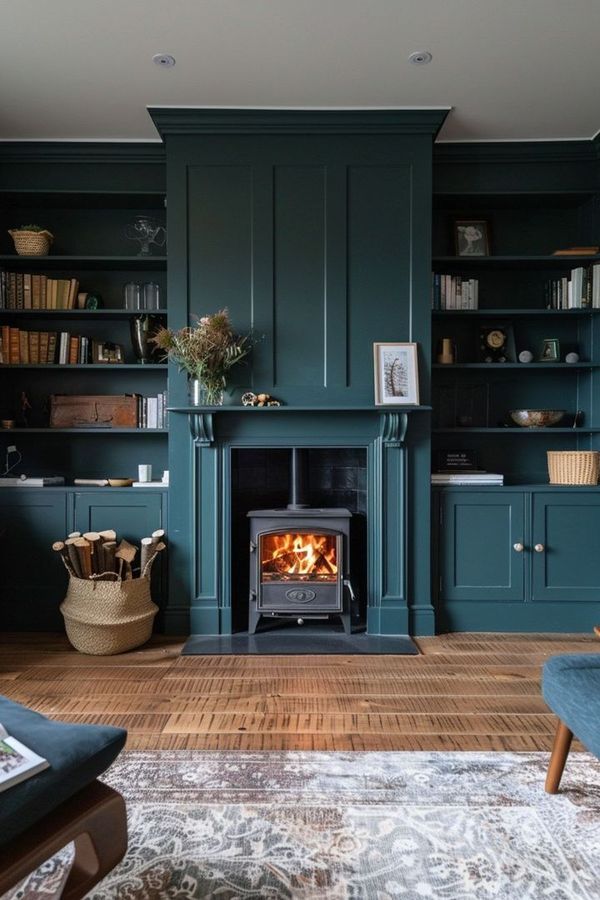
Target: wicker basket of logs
x=108, y=607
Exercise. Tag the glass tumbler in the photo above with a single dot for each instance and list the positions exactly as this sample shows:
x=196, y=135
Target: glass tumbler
x=151, y=295
x=132, y=293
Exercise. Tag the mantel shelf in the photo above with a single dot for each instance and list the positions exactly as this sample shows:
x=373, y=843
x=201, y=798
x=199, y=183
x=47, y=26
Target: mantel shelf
x=258, y=410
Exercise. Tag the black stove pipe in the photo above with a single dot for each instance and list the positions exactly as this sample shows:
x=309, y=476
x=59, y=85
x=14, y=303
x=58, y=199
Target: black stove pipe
x=298, y=479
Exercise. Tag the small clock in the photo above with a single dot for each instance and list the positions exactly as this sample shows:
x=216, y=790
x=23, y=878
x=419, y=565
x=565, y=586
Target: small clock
x=496, y=344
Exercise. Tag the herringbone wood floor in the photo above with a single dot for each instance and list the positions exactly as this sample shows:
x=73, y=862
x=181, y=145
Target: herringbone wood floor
x=465, y=692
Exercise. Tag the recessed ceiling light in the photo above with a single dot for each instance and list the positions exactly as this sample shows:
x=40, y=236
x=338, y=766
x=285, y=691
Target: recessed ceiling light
x=420, y=57
x=164, y=60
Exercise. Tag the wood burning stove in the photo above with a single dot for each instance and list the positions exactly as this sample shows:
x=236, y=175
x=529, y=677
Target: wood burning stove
x=299, y=558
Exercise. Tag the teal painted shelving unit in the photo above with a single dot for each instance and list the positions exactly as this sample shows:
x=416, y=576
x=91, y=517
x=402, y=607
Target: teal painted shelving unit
x=515, y=558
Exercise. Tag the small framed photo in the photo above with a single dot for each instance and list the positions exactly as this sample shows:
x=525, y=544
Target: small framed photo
x=396, y=374
x=550, y=350
x=472, y=237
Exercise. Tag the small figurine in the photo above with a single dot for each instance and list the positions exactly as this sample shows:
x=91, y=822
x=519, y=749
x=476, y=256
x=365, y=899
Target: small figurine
x=252, y=399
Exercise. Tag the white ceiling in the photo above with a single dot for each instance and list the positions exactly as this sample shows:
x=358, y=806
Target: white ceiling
x=511, y=69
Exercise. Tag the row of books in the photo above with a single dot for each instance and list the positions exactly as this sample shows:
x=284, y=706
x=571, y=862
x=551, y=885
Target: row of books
x=454, y=292
x=27, y=290
x=21, y=347
x=579, y=290
x=152, y=411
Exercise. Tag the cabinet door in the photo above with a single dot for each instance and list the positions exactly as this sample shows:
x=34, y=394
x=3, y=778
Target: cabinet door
x=478, y=534
x=133, y=514
x=33, y=580
x=567, y=525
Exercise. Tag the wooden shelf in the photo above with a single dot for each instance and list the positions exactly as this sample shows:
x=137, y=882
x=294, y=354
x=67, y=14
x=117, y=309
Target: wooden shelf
x=259, y=410
x=112, y=367
x=92, y=199
x=83, y=262
x=507, y=313
x=534, y=262
x=82, y=313
x=97, y=431
x=510, y=429
x=498, y=367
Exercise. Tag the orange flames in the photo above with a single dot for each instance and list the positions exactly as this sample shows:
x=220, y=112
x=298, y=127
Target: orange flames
x=299, y=557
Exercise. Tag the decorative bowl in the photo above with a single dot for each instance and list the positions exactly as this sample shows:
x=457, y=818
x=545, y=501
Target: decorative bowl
x=536, y=418
x=120, y=482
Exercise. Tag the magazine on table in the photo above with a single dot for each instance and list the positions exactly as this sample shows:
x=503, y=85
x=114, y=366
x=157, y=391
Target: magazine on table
x=17, y=762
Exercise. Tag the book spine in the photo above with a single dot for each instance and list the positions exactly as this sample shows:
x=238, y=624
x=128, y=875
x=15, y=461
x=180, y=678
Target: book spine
x=73, y=350
x=15, y=347
x=27, y=302
x=43, y=346
x=34, y=346
x=51, y=358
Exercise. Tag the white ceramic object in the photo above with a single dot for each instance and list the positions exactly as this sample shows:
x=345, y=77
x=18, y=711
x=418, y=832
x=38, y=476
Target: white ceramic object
x=525, y=356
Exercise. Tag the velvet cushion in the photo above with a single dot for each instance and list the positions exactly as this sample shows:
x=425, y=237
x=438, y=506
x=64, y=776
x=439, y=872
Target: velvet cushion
x=571, y=688
x=77, y=755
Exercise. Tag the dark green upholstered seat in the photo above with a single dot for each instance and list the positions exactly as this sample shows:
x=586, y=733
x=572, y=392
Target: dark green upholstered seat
x=77, y=754
x=571, y=688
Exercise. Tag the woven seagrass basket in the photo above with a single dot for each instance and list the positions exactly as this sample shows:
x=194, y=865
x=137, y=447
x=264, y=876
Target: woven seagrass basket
x=31, y=243
x=107, y=617
x=573, y=466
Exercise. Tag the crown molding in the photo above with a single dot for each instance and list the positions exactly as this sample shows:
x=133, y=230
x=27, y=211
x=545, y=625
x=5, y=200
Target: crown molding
x=516, y=151
x=106, y=152
x=173, y=120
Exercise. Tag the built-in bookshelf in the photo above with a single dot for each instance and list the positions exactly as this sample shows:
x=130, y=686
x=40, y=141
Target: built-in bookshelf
x=90, y=254
x=520, y=284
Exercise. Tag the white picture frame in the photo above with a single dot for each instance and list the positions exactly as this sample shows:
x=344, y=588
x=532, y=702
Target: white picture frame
x=396, y=374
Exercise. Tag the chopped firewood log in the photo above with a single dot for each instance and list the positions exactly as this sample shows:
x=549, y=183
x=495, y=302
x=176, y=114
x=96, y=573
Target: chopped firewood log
x=84, y=552
x=59, y=547
x=147, y=551
x=126, y=552
x=74, y=534
x=158, y=535
x=73, y=556
x=157, y=549
x=108, y=535
x=108, y=549
x=95, y=542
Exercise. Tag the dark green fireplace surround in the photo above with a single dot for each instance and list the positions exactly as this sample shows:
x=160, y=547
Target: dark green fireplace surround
x=314, y=229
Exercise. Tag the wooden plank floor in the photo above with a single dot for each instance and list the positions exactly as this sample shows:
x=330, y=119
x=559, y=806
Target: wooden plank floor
x=464, y=692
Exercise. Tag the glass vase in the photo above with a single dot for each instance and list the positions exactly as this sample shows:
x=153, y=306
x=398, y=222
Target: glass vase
x=202, y=394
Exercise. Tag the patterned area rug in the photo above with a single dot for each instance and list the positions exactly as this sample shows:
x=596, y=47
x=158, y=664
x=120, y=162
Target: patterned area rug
x=350, y=826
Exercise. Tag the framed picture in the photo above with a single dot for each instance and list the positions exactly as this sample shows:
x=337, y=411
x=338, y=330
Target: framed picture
x=550, y=350
x=396, y=374
x=471, y=237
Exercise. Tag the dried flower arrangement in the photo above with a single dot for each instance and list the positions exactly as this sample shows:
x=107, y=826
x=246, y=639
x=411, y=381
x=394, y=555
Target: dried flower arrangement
x=206, y=351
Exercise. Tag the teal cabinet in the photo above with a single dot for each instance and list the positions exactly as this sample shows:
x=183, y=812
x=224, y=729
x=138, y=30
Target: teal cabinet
x=522, y=559
x=566, y=545
x=480, y=534
x=33, y=580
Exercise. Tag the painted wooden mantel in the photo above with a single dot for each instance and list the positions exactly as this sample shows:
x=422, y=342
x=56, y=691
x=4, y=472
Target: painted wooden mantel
x=314, y=229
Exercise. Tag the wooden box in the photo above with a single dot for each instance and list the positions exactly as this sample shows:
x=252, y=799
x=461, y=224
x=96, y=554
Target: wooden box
x=93, y=411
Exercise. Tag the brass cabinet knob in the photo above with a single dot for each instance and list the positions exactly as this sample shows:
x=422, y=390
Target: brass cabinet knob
x=518, y=547
x=539, y=548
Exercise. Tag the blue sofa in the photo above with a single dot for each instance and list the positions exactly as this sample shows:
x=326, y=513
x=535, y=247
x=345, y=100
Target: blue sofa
x=63, y=803
x=571, y=688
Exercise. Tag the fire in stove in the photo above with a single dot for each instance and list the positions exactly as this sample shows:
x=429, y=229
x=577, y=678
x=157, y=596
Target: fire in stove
x=299, y=557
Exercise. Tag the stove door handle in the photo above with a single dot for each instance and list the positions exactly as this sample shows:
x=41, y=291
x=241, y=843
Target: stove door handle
x=348, y=584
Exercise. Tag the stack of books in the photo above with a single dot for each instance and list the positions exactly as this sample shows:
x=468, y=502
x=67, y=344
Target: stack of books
x=152, y=411
x=454, y=292
x=27, y=290
x=579, y=290
x=476, y=477
x=20, y=347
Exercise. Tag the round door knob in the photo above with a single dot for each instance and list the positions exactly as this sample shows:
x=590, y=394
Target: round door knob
x=539, y=548
x=518, y=548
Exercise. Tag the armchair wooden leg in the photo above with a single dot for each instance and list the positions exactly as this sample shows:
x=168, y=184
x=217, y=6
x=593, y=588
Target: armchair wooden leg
x=560, y=751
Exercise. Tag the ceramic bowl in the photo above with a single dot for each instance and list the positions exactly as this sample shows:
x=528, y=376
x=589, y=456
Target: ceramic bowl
x=536, y=418
x=120, y=482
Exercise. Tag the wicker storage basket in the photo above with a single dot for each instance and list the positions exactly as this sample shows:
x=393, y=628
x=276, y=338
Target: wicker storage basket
x=106, y=617
x=573, y=466
x=31, y=243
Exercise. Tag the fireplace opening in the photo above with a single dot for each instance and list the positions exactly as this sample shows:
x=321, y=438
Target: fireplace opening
x=306, y=557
